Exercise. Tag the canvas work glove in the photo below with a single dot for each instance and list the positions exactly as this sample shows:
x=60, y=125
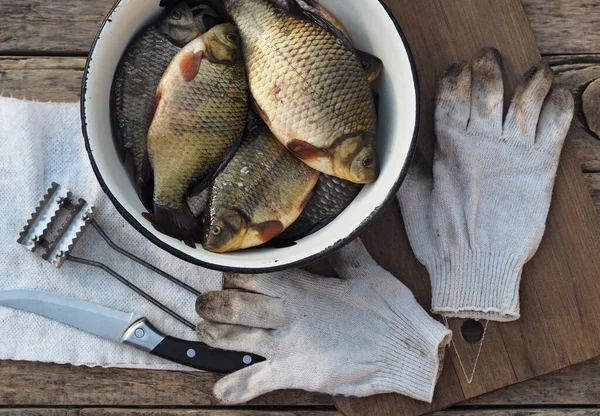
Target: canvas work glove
x=361, y=335
x=482, y=215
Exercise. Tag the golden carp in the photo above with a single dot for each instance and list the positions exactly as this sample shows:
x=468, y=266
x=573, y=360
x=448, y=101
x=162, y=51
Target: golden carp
x=199, y=116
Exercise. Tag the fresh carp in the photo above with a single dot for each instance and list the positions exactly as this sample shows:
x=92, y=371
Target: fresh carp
x=137, y=77
x=331, y=197
x=258, y=195
x=199, y=115
x=309, y=86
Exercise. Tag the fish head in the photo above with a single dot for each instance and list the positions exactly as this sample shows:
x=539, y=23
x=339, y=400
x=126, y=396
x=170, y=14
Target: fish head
x=226, y=230
x=207, y=17
x=179, y=25
x=223, y=44
x=355, y=158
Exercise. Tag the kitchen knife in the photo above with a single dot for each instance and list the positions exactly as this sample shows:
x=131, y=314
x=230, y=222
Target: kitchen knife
x=128, y=328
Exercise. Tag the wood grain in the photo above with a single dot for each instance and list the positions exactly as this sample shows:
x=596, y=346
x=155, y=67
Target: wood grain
x=59, y=79
x=163, y=412
x=520, y=412
x=240, y=412
x=576, y=385
x=68, y=27
x=36, y=27
x=34, y=384
x=565, y=26
x=560, y=319
x=42, y=79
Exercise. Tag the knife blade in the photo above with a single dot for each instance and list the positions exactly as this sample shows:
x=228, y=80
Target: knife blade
x=128, y=328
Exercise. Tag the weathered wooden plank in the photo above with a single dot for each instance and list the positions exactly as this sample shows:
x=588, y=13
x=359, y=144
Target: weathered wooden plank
x=565, y=26
x=205, y=412
x=165, y=412
x=37, y=412
x=68, y=27
x=28, y=78
x=43, y=79
x=576, y=385
x=35, y=384
x=315, y=412
x=557, y=306
x=575, y=73
x=520, y=412
x=59, y=79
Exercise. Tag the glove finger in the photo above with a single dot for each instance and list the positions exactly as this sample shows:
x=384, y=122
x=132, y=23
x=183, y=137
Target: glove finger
x=266, y=284
x=453, y=100
x=247, y=384
x=241, y=308
x=235, y=338
x=414, y=198
x=487, y=95
x=555, y=120
x=524, y=112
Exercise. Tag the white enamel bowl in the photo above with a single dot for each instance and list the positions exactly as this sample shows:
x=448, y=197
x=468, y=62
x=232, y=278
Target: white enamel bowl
x=373, y=30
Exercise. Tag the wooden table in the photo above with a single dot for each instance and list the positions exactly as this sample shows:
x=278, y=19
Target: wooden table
x=43, y=45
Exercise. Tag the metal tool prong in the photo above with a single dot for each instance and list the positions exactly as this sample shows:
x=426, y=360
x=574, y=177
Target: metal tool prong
x=42, y=217
x=56, y=226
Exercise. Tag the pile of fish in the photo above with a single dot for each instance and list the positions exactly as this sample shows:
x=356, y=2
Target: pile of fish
x=246, y=121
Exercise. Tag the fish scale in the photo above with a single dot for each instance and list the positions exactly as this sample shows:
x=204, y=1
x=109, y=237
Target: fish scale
x=317, y=72
x=207, y=121
x=264, y=184
x=308, y=85
x=201, y=110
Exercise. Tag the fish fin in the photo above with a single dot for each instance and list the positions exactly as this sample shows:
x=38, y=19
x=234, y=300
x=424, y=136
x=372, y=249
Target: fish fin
x=306, y=200
x=316, y=16
x=376, y=101
x=145, y=183
x=322, y=11
x=305, y=151
x=118, y=138
x=189, y=65
x=259, y=111
x=253, y=122
x=268, y=230
x=301, y=229
x=180, y=224
x=201, y=185
x=372, y=65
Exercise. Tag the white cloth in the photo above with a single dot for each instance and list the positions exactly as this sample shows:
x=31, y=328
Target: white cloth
x=41, y=143
x=483, y=214
x=361, y=335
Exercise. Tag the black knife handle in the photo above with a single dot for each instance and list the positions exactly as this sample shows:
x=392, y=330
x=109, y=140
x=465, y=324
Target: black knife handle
x=202, y=357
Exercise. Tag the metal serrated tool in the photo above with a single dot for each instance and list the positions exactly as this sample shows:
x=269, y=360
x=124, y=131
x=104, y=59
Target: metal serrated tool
x=52, y=232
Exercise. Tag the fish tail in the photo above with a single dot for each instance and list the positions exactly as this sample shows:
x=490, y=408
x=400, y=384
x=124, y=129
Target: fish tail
x=145, y=191
x=180, y=224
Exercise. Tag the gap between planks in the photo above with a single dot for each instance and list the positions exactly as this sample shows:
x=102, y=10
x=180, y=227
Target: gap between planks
x=43, y=27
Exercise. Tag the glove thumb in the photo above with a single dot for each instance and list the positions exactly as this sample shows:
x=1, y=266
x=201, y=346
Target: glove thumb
x=414, y=198
x=247, y=384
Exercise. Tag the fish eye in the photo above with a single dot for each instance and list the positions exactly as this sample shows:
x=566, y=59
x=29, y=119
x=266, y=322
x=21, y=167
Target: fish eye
x=231, y=37
x=176, y=14
x=367, y=162
x=216, y=230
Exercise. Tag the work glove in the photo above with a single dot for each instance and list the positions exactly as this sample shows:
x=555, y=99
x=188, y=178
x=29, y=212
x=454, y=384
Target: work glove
x=482, y=215
x=361, y=335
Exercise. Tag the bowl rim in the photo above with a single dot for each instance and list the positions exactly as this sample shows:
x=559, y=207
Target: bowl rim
x=299, y=263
